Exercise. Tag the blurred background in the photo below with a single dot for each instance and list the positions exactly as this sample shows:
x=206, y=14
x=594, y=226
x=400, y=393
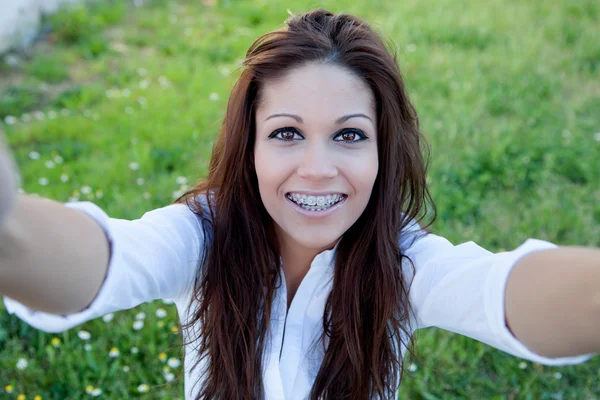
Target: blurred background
x=118, y=103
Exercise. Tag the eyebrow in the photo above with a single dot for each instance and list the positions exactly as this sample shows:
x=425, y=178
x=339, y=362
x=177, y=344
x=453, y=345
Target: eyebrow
x=339, y=121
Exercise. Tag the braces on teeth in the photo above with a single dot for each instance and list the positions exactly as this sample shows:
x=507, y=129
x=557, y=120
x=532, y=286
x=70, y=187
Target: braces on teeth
x=316, y=203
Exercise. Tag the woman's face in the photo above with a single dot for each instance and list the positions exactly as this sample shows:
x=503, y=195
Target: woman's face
x=315, y=153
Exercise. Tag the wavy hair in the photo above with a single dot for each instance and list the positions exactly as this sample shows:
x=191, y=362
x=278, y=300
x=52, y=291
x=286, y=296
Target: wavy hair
x=366, y=319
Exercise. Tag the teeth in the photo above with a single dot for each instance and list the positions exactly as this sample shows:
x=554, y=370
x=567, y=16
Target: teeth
x=315, y=203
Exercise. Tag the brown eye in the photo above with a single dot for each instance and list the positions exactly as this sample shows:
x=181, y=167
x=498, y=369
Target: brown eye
x=349, y=136
x=287, y=135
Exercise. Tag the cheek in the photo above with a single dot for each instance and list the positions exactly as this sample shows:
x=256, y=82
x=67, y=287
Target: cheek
x=363, y=176
x=270, y=172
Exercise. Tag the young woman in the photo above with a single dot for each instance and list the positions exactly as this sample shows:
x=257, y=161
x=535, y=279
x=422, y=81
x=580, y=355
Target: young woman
x=299, y=267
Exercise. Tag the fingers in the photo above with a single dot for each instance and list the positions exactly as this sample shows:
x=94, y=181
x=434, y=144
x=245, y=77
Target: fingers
x=9, y=180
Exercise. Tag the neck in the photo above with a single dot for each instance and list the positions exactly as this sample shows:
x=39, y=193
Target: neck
x=296, y=261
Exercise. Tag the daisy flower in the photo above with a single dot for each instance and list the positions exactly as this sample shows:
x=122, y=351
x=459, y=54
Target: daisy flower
x=114, y=353
x=173, y=362
x=22, y=364
x=138, y=325
x=84, y=335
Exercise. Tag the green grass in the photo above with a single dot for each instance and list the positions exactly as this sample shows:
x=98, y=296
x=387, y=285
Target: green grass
x=508, y=92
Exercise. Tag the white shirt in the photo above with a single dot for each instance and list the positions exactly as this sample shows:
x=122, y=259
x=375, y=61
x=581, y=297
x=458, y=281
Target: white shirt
x=457, y=288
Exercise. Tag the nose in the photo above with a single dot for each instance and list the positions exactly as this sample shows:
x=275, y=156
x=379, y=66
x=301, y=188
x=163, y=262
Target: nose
x=317, y=163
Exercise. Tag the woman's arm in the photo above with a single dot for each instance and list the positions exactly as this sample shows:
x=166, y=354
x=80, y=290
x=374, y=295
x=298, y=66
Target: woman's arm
x=553, y=301
x=154, y=257
x=463, y=289
x=52, y=258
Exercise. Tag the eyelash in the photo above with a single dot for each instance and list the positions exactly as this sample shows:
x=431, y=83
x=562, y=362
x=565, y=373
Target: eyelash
x=357, y=132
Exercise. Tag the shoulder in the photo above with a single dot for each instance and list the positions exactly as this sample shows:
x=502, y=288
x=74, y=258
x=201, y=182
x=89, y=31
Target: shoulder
x=197, y=209
x=195, y=206
x=411, y=235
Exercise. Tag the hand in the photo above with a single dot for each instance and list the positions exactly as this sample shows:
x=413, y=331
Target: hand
x=9, y=180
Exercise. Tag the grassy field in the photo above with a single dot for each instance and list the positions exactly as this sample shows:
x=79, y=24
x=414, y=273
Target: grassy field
x=120, y=104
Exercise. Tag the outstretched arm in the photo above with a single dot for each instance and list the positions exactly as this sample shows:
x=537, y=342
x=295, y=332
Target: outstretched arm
x=548, y=303
x=52, y=258
x=552, y=301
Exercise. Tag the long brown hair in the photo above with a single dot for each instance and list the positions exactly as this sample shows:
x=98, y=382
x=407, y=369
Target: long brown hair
x=367, y=315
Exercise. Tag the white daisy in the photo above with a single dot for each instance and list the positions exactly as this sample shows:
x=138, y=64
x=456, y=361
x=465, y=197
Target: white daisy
x=22, y=364
x=138, y=325
x=114, y=353
x=84, y=335
x=173, y=362
x=522, y=365
x=169, y=376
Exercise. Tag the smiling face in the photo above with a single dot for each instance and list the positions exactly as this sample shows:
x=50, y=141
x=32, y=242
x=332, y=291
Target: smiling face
x=315, y=153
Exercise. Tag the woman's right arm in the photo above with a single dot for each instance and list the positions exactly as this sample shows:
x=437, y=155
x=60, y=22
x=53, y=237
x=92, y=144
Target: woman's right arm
x=64, y=264
x=52, y=258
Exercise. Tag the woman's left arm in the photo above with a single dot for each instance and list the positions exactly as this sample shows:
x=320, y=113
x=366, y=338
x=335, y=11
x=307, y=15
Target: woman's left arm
x=552, y=301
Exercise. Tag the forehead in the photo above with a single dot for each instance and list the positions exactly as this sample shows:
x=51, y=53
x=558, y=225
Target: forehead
x=317, y=90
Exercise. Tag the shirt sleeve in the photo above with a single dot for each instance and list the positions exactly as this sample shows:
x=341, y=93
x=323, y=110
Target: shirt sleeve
x=461, y=289
x=154, y=257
